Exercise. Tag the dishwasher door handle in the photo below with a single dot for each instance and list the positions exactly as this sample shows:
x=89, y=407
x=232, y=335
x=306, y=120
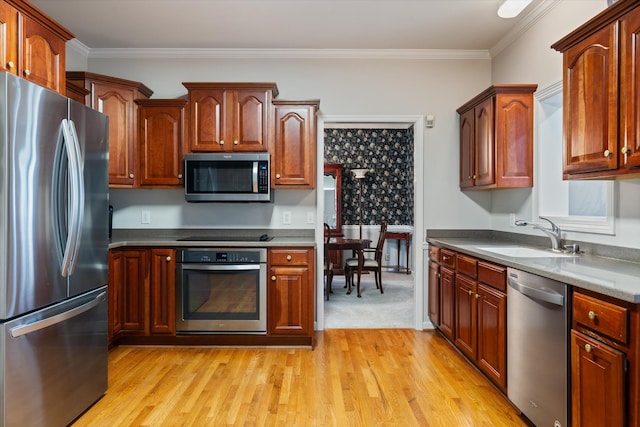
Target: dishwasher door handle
x=539, y=294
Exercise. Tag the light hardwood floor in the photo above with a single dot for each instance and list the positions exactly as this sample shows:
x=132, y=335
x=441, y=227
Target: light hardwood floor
x=354, y=377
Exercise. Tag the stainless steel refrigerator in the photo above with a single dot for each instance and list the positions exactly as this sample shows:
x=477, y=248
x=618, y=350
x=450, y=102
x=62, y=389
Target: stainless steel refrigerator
x=53, y=255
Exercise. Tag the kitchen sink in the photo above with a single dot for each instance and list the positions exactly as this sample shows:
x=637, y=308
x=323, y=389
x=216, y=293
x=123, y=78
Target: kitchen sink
x=525, y=252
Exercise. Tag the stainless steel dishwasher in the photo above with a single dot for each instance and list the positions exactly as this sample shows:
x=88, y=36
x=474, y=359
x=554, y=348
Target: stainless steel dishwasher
x=537, y=325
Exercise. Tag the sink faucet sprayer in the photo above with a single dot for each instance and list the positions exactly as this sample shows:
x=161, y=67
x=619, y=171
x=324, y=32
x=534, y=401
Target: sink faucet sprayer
x=554, y=233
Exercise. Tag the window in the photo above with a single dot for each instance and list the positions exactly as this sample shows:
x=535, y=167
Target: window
x=582, y=206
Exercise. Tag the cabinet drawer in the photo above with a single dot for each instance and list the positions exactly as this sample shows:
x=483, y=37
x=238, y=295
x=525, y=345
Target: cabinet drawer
x=493, y=275
x=603, y=317
x=434, y=253
x=467, y=266
x=289, y=257
x=448, y=258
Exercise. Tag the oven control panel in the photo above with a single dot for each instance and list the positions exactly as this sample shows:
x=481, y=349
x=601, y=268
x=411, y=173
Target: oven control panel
x=222, y=256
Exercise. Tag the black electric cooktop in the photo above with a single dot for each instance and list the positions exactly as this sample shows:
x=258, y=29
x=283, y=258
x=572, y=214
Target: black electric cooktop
x=223, y=238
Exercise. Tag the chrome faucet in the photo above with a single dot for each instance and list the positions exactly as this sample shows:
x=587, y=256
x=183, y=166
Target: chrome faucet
x=554, y=234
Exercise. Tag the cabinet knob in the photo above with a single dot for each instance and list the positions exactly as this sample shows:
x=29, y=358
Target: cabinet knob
x=27, y=73
x=477, y=296
x=469, y=177
x=626, y=150
x=277, y=176
x=168, y=258
x=11, y=64
x=131, y=175
x=587, y=348
x=179, y=176
x=235, y=142
x=592, y=315
x=470, y=292
x=273, y=278
x=608, y=154
x=221, y=142
x=288, y=257
x=474, y=177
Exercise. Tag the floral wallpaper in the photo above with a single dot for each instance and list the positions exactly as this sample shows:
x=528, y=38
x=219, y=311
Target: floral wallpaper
x=387, y=189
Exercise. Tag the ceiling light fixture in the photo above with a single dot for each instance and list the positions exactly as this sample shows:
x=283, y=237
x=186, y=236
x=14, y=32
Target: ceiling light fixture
x=511, y=8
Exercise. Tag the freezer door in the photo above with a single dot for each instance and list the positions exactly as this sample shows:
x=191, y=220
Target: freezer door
x=30, y=265
x=54, y=362
x=90, y=268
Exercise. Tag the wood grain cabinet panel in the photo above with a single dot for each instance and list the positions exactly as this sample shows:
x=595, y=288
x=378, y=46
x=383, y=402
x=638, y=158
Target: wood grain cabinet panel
x=135, y=291
x=294, y=150
x=496, y=138
x=116, y=98
x=32, y=45
x=290, y=292
x=601, y=95
x=447, y=298
x=434, y=293
x=229, y=116
x=161, y=131
x=163, y=292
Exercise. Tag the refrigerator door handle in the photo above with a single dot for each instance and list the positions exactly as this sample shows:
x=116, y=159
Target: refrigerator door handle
x=73, y=199
x=58, y=318
x=79, y=177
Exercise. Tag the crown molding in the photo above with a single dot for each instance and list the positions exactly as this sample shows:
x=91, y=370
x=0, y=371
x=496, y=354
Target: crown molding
x=523, y=26
x=205, y=53
x=79, y=47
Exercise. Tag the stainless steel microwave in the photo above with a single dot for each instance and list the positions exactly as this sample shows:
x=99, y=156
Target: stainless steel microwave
x=227, y=177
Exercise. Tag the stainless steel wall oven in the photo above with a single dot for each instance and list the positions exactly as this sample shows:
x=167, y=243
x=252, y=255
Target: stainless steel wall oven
x=221, y=290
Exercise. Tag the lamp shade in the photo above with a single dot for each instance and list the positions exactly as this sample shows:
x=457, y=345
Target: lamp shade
x=511, y=8
x=359, y=173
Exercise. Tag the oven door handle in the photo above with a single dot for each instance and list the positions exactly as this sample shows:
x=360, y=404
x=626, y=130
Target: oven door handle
x=218, y=267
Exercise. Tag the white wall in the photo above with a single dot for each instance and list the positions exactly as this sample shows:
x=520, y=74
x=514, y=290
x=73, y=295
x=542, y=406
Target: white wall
x=344, y=87
x=530, y=59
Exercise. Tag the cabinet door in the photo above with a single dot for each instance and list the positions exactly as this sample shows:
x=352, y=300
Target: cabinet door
x=465, y=315
x=484, y=143
x=434, y=293
x=597, y=383
x=288, y=301
x=294, y=154
x=118, y=103
x=514, y=140
x=467, y=151
x=116, y=279
x=8, y=38
x=250, y=118
x=163, y=291
x=207, y=120
x=590, y=107
x=160, y=135
x=447, y=292
x=630, y=89
x=492, y=334
x=42, y=55
x=135, y=291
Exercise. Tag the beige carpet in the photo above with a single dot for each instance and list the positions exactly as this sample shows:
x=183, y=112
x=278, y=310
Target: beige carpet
x=393, y=309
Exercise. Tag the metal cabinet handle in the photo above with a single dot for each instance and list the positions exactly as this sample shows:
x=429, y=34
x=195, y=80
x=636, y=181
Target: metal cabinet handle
x=221, y=142
x=11, y=64
x=592, y=315
x=168, y=258
x=587, y=348
x=470, y=292
x=288, y=257
x=277, y=176
x=477, y=296
x=131, y=175
x=626, y=150
x=235, y=142
x=273, y=278
x=27, y=73
x=608, y=154
x=179, y=176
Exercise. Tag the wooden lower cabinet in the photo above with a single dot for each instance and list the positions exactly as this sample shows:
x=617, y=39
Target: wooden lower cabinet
x=447, y=298
x=290, y=292
x=141, y=292
x=598, y=383
x=434, y=293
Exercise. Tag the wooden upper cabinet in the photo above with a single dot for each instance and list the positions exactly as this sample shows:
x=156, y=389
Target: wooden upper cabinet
x=293, y=154
x=496, y=138
x=161, y=130
x=32, y=45
x=601, y=95
x=229, y=116
x=116, y=98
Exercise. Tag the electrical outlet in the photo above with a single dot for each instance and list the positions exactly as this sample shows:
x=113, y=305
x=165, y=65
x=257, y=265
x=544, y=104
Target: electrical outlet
x=310, y=218
x=145, y=217
x=286, y=218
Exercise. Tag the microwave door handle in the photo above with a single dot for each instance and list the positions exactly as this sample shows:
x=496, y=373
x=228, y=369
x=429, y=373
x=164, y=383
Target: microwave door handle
x=254, y=177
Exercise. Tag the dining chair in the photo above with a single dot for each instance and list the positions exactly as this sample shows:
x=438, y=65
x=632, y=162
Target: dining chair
x=328, y=265
x=369, y=264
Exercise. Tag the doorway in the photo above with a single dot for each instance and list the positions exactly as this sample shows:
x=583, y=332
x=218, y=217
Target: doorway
x=416, y=124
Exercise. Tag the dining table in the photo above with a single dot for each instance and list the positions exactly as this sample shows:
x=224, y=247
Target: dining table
x=357, y=245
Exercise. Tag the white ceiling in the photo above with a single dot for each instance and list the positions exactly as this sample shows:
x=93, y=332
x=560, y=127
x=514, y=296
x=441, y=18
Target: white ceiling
x=287, y=24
